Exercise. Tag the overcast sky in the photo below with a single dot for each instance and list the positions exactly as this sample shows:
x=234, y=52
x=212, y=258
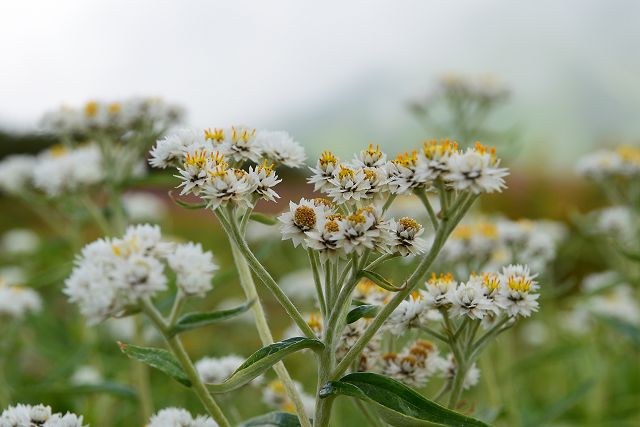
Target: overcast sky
x=573, y=65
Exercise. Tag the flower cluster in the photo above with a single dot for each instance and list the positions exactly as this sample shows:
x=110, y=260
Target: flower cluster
x=214, y=370
x=116, y=116
x=55, y=171
x=414, y=365
x=16, y=300
x=488, y=243
x=621, y=162
x=38, y=415
x=370, y=176
x=210, y=162
x=111, y=274
x=178, y=417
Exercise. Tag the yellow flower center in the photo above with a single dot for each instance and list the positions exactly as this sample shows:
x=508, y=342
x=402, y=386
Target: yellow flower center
x=265, y=167
x=216, y=135
x=491, y=281
x=114, y=108
x=331, y=226
x=304, y=216
x=519, y=284
x=91, y=109
x=437, y=150
x=327, y=157
x=357, y=218
x=406, y=159
x=407, y=222
x=370, y=174
x=346, y=172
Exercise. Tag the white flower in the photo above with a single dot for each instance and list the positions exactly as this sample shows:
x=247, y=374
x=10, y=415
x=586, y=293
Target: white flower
x=597, y=281
x=324, y=171
x=370, y=158
x=450, y=367
x=171, y=150
x=619, y=303
x=240, y=144
x=617, y=221
x=16, y=173
x=194, y=268
x=19, y=241
x=299, y=285
x=224, y=186
x=349, y=185
x=362, y=230
x=405, y=237
x=325, y=237
x=302, y=217
x=280, y=148
x=86, y=375
x=16, y=300
x=411, y=313
x=469, y=299
x=215, y=370
x=435, y=155
x=406, y=174
x=275, y=395
x=600, y=164
x=178, y=417
x=438, y=290
x=475, y=170
x=515, y=295
x=38, y=415
x=142, y=207
x=112, y=274
x=262, y=179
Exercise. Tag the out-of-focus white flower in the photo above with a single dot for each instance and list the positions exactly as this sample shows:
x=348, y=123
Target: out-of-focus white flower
x=110, y=275
x=178, y=417
x=597, y=281
x=623, y=161
x=535, y=333
x=13, y=274
x=476, y=170
x=16, y=300
x=415, y=365
x=143, y=207
x=275, y=396
x=516, y=295
x=618, y=303
x=411, y=313
x=16, y=173
x=449, y=372
x=194, y=268
x=617, y=221
x=19, y=241
x=60, y=170
x=280, y=148
x=86, y=375
x=215, y=370
x=299, y=285
x=22, y=415
x=171, y=150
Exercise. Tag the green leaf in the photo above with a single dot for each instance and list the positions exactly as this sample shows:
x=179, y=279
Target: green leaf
x=263, y=219
x=273, y=419
x=159, y=359
x=380, y=281
x=262, y=360
x=367, y=311
x=187, y=205
x=396, y=403
x=197, y=320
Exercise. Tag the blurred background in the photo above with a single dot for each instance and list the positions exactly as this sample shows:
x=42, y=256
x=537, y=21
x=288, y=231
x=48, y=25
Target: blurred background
x=553, y=81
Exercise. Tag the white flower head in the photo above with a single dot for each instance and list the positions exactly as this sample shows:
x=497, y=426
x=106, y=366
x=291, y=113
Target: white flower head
x=438, y=289
x=349, y=185
x=363, y=230
x=405, y=237
x=16, y=173
x=196, y=170
x=411, y=313
x=22, y=415
x=435, y=155
x=226, y=185
x=194, y=268
x=468, y=299
x=301, y=218
x=178, y=417
x=275, y=396
x=280, y=148
x=325, y=237
x=324, y=171
x=171, y=150
x=450, y=367
x=17, y=300
x=262, y=179
x=370, y=158
x=405, y=173
x=516, y=295
x=60, y=170
x=240, y=144
x=214, y=370
x=476, y=170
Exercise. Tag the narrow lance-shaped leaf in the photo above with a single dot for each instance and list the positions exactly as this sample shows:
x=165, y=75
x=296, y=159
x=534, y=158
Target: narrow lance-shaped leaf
x=197, y=320
x=367, y=311
x=273, y=419
x=187, y=205
x=380, y=280
x=263, y=219
x=157, y=358
x=396, y=403
x=262, y=360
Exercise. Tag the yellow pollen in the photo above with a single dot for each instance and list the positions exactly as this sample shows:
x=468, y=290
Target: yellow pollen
x=410, y=359
x=437, y=150
x=198, y=158
x=114, y=108
x=407, y=222
x=318, y=201
x=334, y=217
x=345, y=172
x=370, y=174
x=288, y=407
x=373, y=152
x=629, y=154
x=216, y=134
x=445, y=278
x=463, y=232
x=315, y=322
x=331, y=226
x=390, y=356
x=406, y=159
x=424, y=344
x=416, y=295
x=491, y=281
x=239, y=173
x=277, y=387
x=243, y=135
x=57, y=150
x=304, y=216
x=520, y=284
x=327, y=157
x=91, y=109
x=488, y=230
x=357, y=218
x=265, y=167
x=218, y=171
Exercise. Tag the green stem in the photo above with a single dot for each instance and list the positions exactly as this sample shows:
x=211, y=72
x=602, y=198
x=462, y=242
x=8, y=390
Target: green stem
x=316, y=280
x=175, y=345
x=260, y=319
x=422, y=195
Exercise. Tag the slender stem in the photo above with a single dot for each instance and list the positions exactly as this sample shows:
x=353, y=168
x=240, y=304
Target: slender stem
x=458, y=383
x=234, y=234
x=97, y=216
x=380, y=260
x=181, y=355
x=422, y=195
x=435, y=334
x=388, y=203
x=260, y=319
x=316, y=280
x=175, y=309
